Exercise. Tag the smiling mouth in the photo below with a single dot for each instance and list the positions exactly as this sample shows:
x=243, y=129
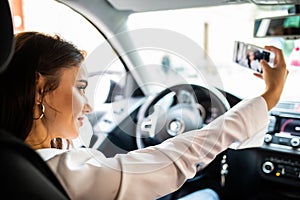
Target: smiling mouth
x=80, y=120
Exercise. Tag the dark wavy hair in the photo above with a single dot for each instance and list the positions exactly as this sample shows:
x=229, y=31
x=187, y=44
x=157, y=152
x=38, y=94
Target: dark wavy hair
x=34, y=53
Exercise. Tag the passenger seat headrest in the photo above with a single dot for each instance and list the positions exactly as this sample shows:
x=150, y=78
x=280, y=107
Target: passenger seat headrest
x=6, y=34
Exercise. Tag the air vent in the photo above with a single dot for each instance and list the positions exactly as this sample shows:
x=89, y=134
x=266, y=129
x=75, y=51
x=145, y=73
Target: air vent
x=287, y=106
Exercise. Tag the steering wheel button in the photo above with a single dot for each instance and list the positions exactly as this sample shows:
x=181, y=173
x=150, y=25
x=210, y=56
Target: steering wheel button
x=175, y=127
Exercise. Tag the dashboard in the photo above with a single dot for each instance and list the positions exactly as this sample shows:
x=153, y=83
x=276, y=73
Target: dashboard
x=271, y=171
x=284, y=126
x=283, y=141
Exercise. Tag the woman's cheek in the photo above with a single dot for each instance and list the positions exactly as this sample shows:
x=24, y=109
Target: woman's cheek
x=78, y=102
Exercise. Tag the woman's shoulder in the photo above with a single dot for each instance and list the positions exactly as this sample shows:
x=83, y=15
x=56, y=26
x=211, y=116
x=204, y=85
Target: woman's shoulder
x=48, y=153
x=72, y=154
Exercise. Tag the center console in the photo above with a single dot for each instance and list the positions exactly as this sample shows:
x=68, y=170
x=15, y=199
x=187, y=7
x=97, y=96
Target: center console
x=283, y=139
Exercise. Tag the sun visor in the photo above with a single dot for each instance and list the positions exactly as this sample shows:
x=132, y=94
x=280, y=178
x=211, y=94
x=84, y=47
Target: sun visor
x=155, y=5
x=276, y=2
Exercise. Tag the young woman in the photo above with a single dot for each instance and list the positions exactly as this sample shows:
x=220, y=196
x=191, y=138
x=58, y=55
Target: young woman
x=42, y=98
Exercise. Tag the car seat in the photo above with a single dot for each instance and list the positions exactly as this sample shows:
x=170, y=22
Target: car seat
x=23, y=174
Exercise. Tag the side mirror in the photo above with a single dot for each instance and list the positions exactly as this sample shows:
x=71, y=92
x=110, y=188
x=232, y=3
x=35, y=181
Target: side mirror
x=287, y=27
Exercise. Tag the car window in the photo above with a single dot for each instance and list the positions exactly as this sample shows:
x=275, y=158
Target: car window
x=38, y=16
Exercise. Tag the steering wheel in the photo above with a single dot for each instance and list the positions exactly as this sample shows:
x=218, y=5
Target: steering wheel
x=176, y=110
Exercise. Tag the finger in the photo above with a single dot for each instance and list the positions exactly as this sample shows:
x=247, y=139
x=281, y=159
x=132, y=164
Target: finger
x=259, y=75
x=265, y=66
x=279, y=57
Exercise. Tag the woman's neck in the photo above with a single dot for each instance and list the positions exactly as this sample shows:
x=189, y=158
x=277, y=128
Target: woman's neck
x=39, y=137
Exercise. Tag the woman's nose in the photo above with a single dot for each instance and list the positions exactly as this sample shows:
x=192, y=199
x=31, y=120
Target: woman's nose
x=87, y=108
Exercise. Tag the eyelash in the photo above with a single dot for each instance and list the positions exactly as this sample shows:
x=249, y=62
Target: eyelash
x=82, y=89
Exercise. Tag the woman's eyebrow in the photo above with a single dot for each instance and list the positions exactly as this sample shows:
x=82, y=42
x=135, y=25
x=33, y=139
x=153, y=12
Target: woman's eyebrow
x=83, y=81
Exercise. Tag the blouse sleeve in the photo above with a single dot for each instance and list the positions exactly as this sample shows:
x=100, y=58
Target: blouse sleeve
x=155, y=171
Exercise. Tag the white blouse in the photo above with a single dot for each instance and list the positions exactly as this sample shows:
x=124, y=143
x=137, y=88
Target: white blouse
x=155, y=171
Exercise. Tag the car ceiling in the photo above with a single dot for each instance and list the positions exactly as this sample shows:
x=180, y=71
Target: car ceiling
x=154, y=5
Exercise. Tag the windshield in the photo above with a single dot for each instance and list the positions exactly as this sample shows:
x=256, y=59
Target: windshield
x=205, y=44
x=176, y=46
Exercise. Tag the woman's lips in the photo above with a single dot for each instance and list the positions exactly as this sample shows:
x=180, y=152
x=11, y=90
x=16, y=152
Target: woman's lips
x=80, y=120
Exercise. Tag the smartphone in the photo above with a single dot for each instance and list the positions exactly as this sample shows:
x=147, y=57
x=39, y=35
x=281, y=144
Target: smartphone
x=249, y=56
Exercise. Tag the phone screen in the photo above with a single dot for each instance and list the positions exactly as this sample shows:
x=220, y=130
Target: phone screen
x=249, y=56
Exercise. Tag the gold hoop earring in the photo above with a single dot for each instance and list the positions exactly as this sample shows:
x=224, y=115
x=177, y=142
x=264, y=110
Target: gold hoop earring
x=42, y=113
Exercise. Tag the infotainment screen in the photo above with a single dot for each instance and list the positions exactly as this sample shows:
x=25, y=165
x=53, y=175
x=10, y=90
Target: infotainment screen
x=290, y=125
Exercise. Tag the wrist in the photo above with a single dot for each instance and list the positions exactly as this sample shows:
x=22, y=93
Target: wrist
x=271, y=98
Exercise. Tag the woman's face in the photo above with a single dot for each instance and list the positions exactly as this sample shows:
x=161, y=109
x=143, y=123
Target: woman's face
x=66, y=106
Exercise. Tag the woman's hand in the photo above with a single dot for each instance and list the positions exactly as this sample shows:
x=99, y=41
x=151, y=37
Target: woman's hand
x=274, y=77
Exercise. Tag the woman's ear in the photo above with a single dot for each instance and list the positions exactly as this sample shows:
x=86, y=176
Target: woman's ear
x=40, y=83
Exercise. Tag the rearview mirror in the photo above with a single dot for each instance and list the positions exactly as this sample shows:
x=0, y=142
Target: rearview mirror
x=284, y=26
